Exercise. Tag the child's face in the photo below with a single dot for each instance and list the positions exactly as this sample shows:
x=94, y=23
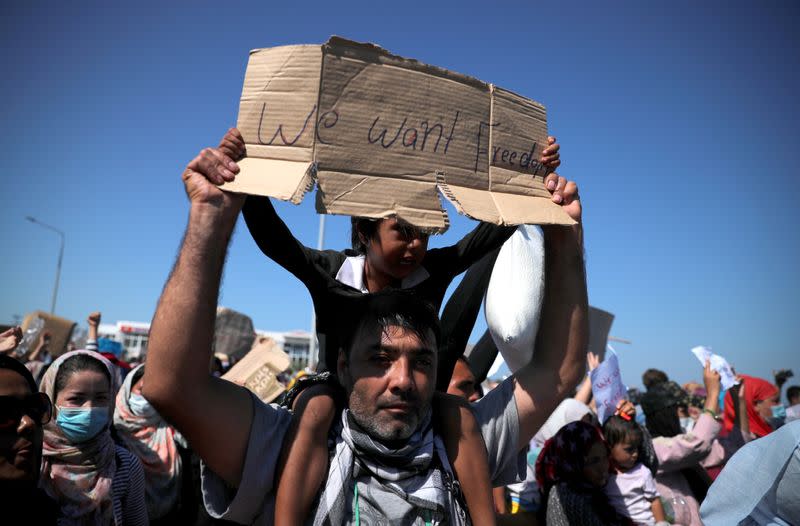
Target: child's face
x=626, y=453
x=595, y=465
x=397, y=248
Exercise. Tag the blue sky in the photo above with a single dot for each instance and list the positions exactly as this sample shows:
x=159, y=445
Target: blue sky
x=679, y=121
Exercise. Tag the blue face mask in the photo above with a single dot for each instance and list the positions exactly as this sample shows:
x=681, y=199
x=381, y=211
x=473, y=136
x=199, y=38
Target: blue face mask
x=81, y=424
x=687, y=423
x=140, y=406
x=778, y=412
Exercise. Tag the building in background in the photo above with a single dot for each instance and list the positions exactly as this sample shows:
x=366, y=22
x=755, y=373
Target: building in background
x=134, y=336
x=294, y=343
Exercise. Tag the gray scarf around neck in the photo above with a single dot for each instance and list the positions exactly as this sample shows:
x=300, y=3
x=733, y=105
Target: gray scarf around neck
x=409, y=471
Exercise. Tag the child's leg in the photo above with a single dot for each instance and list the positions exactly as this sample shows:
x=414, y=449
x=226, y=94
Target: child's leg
x=467, y=454
x=303, y=465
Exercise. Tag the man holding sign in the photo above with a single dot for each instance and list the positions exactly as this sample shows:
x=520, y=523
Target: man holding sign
x=387, y=363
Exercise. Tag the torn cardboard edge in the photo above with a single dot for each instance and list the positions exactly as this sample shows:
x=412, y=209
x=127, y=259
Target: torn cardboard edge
x=384, y=135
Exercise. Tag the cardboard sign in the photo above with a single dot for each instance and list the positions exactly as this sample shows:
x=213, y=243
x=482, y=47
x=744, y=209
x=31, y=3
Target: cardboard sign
x=718, y=363
x=607, y=387
x=599, y=327
x=259, y=368
x=233, y=332
x=381, y=135
x=60, y=330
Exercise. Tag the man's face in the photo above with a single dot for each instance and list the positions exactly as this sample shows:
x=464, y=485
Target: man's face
x=390, y=382
x=463, y=383
x=20, y=440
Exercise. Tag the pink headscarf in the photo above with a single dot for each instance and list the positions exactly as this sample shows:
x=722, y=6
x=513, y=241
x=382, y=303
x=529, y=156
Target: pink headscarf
x=78, y=476
x=151, y=439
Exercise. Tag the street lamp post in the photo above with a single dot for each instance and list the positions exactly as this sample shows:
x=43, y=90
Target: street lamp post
x=60, y=258
x=313, y=349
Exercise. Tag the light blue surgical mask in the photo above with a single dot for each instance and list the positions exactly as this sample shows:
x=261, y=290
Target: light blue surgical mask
x=140, y=406
x=779, y=411
x=81, y=424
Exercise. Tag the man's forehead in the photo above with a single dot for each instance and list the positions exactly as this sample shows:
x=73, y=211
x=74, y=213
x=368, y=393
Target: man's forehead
x=398, y=336
x=462, y=372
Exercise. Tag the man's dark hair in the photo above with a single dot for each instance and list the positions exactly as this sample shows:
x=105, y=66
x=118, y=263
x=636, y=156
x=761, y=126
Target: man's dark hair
x=653, y=377
x=372, y=314
x=793, y=393
x=617, y=429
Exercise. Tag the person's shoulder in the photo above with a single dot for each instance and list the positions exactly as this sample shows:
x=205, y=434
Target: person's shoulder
x=496, y=399
x=329, y=261
x=641, y=471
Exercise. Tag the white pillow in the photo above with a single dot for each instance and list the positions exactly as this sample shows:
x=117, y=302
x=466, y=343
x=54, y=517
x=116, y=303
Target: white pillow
x=513, y=302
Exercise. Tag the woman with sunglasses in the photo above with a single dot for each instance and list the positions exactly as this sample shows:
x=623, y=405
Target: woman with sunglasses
x=93, y=480
x=23, y=412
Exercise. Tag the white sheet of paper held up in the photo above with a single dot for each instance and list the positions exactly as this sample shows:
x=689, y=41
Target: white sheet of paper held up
x=718, y=363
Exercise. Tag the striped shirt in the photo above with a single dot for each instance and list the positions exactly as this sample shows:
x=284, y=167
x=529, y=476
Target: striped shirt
x=128, y=490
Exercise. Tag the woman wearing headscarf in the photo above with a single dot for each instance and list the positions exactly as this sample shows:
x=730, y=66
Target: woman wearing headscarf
x=680, y=479
x=760, y=397
x=572, y=471
x=142, y=430
x=93, y=480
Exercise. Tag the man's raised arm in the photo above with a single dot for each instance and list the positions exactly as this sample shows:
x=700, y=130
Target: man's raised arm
x=557, y=365
x=213, y=414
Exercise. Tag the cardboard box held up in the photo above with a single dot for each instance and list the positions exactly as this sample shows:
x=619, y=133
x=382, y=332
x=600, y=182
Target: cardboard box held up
x=233, y=332
x=259, y=368
x=381, y=135
x=60, y=330
x=599, y=328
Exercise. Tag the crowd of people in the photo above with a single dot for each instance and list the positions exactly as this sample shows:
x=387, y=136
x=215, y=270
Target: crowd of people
x=397, y=426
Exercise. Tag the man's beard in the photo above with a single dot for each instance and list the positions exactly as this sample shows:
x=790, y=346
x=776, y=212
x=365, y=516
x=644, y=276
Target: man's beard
x=381, y=425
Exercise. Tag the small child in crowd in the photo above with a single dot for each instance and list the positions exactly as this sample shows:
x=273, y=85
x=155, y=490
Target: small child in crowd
x=631, y=488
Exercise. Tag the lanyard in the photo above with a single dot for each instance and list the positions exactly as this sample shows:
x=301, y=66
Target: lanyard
x=356, y=512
